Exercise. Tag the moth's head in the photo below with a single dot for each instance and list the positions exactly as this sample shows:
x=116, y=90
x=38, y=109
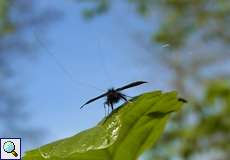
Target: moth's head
x=111, y=90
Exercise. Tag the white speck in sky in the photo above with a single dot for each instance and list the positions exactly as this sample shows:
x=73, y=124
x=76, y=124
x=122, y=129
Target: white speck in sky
x=165, y=45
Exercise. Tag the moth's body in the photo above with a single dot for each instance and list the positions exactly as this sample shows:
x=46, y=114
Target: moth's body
x=113, y=96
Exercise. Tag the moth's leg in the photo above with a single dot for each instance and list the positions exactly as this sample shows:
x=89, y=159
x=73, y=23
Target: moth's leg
x=105, y=108
x=125, y=99
x=111, y=104
x=108, y=108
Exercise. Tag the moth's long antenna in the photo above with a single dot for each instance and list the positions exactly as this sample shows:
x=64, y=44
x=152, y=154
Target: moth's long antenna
x=61, y=66
x=103, y=62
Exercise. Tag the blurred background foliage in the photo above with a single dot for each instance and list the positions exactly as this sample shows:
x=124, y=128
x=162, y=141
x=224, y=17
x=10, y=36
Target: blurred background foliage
x=196, y=35
x=16, y=18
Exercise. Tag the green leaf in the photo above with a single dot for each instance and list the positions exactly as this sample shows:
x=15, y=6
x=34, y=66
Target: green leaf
x=125, y=134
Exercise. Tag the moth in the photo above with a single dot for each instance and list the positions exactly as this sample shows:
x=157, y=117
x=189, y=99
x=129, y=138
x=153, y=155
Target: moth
x=113, y=96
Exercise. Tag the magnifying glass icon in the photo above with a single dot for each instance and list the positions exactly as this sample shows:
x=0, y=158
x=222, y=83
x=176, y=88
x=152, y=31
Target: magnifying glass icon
x=9, y=147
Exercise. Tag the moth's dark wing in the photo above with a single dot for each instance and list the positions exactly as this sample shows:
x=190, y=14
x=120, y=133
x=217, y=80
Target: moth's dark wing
x=131, y=85
x=93, y=99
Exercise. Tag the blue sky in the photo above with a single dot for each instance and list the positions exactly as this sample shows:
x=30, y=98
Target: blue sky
x=102, y=52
